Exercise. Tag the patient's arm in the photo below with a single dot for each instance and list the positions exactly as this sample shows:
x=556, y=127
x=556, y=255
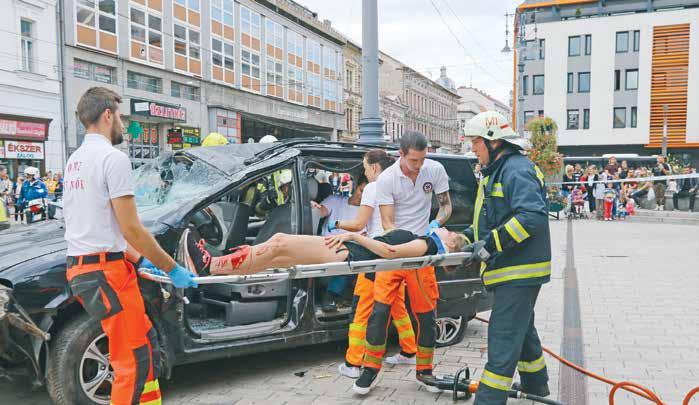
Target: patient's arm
x=415, y=248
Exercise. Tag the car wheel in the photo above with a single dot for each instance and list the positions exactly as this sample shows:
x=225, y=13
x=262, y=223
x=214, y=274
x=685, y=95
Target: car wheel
x=451, y=330
x=79, y=370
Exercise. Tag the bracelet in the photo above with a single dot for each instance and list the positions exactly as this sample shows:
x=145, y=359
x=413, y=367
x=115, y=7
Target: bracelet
x=139, y=261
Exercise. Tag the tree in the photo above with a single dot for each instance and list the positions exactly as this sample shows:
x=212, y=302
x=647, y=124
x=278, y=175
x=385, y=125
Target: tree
x=544, y=149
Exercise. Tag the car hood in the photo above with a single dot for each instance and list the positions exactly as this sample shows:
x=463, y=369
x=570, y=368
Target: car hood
x=20, y=244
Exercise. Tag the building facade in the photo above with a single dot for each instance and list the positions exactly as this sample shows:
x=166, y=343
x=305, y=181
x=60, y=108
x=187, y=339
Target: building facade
x=606, y=71
x=244, y=68
x=474, y=101
x=392, y=110
x=30, y=83
x=431, y=108
x=352, y=91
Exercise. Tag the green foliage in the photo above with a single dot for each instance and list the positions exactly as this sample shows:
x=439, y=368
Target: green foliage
x=544, y=148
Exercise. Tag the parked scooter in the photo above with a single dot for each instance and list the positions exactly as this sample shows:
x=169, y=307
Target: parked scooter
x=35, y=208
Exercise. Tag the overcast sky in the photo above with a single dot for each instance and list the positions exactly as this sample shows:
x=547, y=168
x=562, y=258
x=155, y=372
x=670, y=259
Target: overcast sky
x=413, y=32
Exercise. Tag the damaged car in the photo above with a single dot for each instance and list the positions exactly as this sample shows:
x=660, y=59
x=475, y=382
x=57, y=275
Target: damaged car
x=215, y=191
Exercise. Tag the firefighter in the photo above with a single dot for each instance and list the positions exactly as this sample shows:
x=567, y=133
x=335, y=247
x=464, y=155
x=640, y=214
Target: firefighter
x=214, y=139
x=273, y=191
x=404, y=195
x=106, y=242
x=510, y=238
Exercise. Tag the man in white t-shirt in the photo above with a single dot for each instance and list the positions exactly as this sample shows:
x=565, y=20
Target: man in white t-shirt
x=404, y=195
x=337, y=208
x=106, y=243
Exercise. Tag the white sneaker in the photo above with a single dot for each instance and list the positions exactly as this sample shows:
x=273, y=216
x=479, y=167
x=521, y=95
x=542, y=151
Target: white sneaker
x=347, y=371
x=398, y=358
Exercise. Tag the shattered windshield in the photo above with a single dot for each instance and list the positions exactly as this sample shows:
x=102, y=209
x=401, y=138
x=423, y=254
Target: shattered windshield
x=167, y=183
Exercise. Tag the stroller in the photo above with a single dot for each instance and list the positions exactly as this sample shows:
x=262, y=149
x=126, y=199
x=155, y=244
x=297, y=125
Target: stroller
x=577, y=210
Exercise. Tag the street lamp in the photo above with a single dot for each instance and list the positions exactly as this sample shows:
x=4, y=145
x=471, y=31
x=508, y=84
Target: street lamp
x=506, y=48
x=664, y=145
x=371, y=124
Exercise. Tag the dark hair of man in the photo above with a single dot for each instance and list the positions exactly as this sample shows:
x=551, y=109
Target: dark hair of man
x=413, y=140
x=94, y=102
x=379, y=156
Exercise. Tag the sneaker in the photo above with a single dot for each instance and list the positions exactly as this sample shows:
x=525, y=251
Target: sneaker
x=366, y=381
x=327, y=303
x=197, y=257
x=542, y=391
x=400, y=358
x=428, y=388
x=349, y=371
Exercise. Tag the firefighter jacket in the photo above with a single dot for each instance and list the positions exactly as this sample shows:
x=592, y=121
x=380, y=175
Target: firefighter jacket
x=511, y=216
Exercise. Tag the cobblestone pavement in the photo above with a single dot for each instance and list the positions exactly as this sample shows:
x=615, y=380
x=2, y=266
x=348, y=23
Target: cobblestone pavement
x=639, y=292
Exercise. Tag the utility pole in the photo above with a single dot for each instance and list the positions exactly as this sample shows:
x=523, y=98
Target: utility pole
x=664, y=146
x=371, y=124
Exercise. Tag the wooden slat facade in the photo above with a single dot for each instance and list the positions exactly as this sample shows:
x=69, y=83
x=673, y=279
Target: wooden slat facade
x=669, y=79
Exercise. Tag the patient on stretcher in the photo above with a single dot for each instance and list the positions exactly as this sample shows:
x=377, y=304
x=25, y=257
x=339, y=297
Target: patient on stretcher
x=283, y=250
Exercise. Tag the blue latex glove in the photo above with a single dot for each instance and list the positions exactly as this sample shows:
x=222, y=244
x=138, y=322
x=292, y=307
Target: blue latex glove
x=181, y=277
x=433, y=225
x=147, y=264
x=332, y=226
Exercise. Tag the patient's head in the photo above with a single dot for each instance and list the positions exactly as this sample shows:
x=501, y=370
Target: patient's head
x=452, y=241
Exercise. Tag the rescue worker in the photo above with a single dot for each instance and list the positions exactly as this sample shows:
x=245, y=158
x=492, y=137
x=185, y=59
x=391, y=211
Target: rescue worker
x=404, y=195
x=273, y=191
x=33, y=188
x=106, y=243
x=214, y=139
x=510, y=238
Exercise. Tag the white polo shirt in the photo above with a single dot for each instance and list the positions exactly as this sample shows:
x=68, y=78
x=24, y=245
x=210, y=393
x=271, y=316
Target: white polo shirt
x=374, y=227
x=339, y=210
x=412, y=202
x=95, y=174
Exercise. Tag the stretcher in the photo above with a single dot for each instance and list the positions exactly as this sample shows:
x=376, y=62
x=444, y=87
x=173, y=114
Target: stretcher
x=329, y=269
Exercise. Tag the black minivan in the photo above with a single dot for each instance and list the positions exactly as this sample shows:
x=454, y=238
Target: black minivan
x=42, y=326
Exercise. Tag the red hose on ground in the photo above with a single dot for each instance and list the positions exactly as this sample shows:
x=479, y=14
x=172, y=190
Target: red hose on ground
x=625, y=385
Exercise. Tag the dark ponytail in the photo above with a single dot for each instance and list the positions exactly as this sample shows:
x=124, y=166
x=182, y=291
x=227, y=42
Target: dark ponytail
x=379, y=156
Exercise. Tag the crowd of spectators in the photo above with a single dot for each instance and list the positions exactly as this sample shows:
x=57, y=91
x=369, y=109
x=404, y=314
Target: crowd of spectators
x=10, y=190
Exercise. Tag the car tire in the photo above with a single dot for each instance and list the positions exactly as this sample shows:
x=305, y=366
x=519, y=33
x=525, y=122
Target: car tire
x=450, y=330
x=70, y=366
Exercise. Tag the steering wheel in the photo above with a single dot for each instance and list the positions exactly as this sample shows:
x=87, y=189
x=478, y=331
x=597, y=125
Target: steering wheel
x=208, y=226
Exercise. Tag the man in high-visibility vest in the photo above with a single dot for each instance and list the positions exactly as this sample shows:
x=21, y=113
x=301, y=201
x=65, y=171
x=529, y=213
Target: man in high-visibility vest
x=510, y=238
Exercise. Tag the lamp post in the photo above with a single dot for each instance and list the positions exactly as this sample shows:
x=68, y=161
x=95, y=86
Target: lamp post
x=371, y=124
x=664, y=145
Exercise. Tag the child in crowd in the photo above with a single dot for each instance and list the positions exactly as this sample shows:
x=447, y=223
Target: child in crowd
x=598, y=194
x=621, y=210
x=630, y=207
x=578, y=201
x=609, y=197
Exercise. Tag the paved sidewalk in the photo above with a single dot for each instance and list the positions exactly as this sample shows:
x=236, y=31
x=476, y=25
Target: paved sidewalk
x=639, y=294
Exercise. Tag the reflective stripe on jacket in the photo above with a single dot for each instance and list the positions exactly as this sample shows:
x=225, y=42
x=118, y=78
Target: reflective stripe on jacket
x=511, y=215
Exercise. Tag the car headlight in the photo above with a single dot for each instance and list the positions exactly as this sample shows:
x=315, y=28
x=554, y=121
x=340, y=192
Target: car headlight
x=4, y=300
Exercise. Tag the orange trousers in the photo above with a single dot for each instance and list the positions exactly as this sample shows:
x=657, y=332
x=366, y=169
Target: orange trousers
x=364, y=298
x=423, y=293
x=109, y=292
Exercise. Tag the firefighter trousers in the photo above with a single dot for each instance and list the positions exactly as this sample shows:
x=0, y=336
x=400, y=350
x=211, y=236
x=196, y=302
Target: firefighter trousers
x=512, y=344
x=363, y=304
x=109, y=292
x=423, y=293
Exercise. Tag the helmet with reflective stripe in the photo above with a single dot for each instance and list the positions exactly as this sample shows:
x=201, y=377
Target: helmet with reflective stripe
x=285, y=176
x=491, y=125
x=214, y=139
x=268, y=139
x=31, y=171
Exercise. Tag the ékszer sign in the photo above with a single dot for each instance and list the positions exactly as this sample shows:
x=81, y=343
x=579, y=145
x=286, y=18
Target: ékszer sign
x=158, y=110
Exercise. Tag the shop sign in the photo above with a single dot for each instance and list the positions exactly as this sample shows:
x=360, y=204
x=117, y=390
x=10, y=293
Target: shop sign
x=23, y=129
x=2, y=150
x=158, y=110
x=184, y=135
x=24, y=150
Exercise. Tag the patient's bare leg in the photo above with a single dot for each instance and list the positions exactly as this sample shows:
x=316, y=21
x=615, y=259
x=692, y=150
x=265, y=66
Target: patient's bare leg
x=280, y=251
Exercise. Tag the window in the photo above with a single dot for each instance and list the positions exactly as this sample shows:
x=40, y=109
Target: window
x=631, y=82
x=620, y=117
x=584, y=82
x=586, y=118
x=222, y=41
x=294, y=68
x=528, y=116
x=250, y=64
x=251, y=27
x=250, y=23
x=330, y=62
x=274, y=78
x=573, y=46
x=27, y=44
x=314, y=90
x=636, y=40
x=313, y=57
x=541, y=113
x=525, y=85
x=144, y=82
x=223, y=59
x=622, y=42
x=146, y=35
x=617, y=80
x=571, y=86
x=187, y=44
x=538, y=84
x=274, y=36
x=184, y=91
x=94, y=71
x=97, y=24
x=634, y=117
x=542, y=49
x=573, y=117
x=222, y=11
x=588, y=44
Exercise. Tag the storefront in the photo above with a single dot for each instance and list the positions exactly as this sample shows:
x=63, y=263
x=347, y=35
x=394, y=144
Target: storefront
x=254, y=127
x=226, y=123
x=22, y=143
x=148, y=124
x=183, y=137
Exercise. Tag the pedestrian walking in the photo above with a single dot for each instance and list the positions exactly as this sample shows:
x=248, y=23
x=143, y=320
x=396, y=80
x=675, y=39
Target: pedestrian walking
x=510, y=235
x=106, y=243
